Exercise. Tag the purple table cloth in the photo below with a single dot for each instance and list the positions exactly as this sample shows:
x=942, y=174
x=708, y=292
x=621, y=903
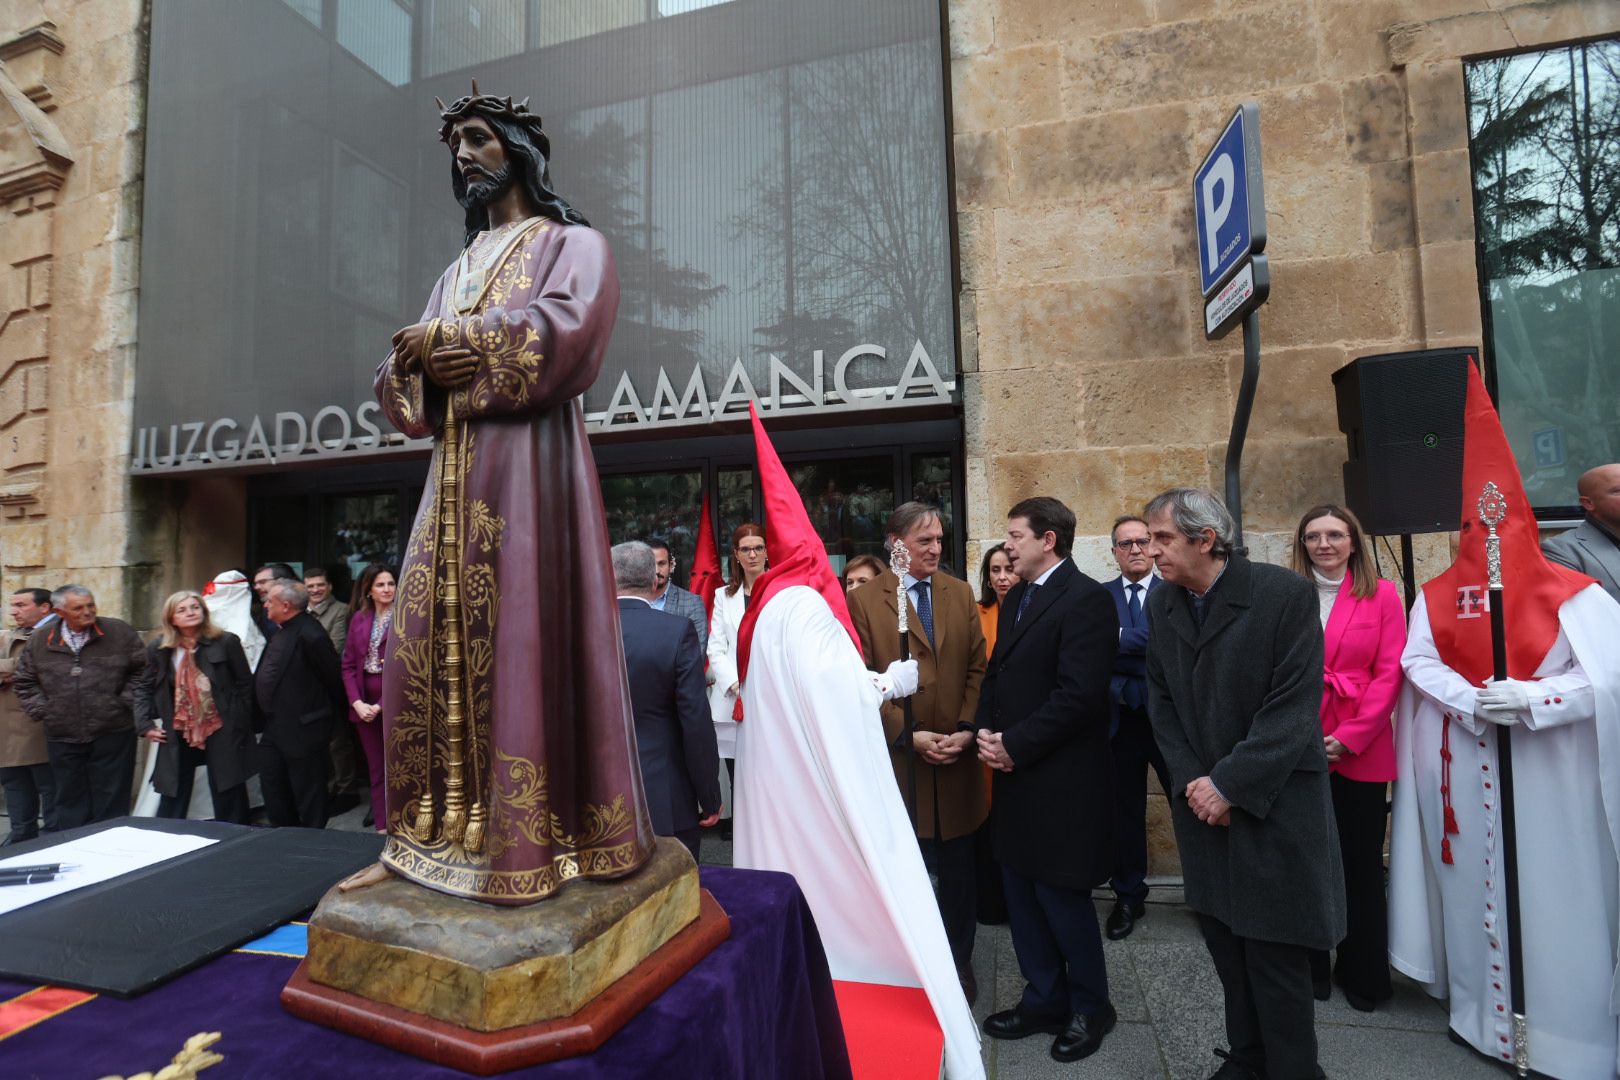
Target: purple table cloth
x=760, y=1005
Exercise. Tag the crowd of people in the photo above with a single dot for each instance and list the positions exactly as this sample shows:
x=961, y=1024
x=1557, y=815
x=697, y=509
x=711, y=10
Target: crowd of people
x=1022, y=720
x=272, y=688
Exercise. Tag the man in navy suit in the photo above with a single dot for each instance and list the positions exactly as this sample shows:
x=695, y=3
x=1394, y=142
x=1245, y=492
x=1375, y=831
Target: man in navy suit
x=680, y=763
x=1043, y=728
x=1132, y=743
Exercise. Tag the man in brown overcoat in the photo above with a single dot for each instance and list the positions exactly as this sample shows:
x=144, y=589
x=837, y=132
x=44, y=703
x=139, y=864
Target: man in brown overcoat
x=953, y=786
x=25, y=767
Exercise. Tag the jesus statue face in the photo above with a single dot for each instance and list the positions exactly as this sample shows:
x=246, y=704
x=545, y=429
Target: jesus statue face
x=485, y=171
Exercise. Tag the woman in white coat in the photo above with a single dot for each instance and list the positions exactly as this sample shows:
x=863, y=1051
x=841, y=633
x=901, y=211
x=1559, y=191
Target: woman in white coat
x=747, y=563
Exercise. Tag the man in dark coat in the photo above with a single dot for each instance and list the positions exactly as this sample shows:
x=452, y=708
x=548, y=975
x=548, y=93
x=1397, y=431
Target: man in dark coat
x=299, y=691
x=680, y=762
x=1234, y=670
x=80, y=676
x=1043, y=727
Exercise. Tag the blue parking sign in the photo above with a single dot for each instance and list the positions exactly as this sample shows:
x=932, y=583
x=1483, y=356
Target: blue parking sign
x=1549, y=447
x=1228, y=200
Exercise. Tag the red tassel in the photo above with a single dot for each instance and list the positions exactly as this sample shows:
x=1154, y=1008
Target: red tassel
x=736, y=710
x=1450, y=828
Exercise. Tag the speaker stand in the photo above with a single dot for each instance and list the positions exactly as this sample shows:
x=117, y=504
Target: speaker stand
x=1408, y=571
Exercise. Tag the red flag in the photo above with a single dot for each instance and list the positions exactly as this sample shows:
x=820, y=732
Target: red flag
x=797, y=554
x=706, y=577
x=1533, y=588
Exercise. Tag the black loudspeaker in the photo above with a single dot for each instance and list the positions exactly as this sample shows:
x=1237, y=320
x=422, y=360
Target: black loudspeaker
x=1402, y=414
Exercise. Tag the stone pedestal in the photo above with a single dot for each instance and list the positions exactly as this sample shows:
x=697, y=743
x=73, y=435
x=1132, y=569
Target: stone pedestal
x=486, y=988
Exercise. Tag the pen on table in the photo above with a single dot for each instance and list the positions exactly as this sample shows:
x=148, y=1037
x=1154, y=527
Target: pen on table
x=27, y=879
x=42, y=868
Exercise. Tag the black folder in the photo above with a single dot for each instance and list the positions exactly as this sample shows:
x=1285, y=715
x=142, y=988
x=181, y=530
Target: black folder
x=127, y=935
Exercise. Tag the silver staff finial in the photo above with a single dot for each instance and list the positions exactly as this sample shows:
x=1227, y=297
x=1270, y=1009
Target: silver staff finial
x=900, y=563
x=1493, y=507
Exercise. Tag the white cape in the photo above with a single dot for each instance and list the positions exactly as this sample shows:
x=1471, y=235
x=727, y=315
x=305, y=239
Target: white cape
x=816, y=798
x=1446, y=929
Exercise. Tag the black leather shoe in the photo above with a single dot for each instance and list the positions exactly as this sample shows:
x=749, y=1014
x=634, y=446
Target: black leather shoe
x=1122, y=920
x=1018, y=1024
x=1084, y=1035
x=1233, y=1069
x=1357, y=1002
x=1321, y=989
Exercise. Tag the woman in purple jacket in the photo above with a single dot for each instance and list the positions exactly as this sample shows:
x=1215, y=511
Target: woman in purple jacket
x=365, y=651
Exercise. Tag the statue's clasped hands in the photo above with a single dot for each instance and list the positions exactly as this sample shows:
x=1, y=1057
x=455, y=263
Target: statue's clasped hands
x=449, y=365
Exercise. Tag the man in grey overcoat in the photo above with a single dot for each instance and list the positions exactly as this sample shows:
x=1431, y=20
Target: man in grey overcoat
x=1234, y=669
x=1593, y=547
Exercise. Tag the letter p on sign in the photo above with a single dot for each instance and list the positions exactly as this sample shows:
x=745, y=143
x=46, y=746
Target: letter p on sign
x=1216, y=185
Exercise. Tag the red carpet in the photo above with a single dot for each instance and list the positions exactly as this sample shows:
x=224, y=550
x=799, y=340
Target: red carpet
x=891, y=1032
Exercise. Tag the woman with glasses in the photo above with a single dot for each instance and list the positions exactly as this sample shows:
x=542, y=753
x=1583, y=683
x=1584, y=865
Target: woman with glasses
x=730, y=603
x=1364, y=631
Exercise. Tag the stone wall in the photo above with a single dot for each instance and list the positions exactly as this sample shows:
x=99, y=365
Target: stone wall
x=1077, y=130
x=72, y=111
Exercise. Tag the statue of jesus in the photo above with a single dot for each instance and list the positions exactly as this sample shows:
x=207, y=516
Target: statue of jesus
x=509, y=742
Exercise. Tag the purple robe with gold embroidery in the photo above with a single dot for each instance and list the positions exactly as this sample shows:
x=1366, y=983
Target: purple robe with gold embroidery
x=551, y=754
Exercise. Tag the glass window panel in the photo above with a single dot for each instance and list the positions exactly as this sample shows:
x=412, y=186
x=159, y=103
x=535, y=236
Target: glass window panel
x=369, y=248
x=280, y=531
x=932, y=483
x=1545, y=137
x=358, y=530
x=378, y=34
x=461, y=33
x=663, y=505
x=309, y=9
x=681, y=7
x=849, y=501
x=553, y=22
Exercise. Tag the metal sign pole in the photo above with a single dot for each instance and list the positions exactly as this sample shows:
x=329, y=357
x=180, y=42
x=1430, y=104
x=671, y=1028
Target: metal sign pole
x=1240, y=425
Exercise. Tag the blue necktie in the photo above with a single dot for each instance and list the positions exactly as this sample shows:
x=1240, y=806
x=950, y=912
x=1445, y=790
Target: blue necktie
x=1135, y=604
x=925, y=611
x=1023, y=601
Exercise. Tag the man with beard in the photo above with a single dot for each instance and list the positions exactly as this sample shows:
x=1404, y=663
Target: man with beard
x=670, y=597
x=510, y=752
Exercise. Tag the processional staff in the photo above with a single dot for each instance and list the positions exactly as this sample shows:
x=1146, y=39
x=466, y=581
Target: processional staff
x=1493, y=507
x=900, y=563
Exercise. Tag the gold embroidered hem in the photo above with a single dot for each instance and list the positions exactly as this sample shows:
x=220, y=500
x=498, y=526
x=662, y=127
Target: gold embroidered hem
x=425, y=867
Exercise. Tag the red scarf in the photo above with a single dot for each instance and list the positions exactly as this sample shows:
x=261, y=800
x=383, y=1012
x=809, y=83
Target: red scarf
x=195, y=715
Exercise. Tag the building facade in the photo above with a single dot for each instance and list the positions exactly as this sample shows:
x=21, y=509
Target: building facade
x=1022, y=314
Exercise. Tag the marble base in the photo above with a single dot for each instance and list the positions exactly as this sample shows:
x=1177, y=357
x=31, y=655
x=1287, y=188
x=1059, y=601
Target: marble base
x=486, y=1053
x=487, y=968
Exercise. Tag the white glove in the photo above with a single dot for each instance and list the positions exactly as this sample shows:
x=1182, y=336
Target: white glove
x=900, y=680
x=1501, y=702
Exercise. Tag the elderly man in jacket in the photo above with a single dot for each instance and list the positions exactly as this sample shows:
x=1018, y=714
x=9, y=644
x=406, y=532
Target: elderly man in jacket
x=80, y=677
x=1234, y=667
x=300, y=695
x=25, y=766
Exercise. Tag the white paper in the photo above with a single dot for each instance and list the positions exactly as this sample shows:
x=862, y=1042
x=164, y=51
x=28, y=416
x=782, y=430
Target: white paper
x=101, y=857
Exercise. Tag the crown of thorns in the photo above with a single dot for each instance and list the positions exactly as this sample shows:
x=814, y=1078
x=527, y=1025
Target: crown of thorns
x=491, y=107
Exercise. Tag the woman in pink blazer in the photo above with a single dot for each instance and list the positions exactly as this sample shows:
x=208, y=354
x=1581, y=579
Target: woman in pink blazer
x=1363, y=632
x=364, y=652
